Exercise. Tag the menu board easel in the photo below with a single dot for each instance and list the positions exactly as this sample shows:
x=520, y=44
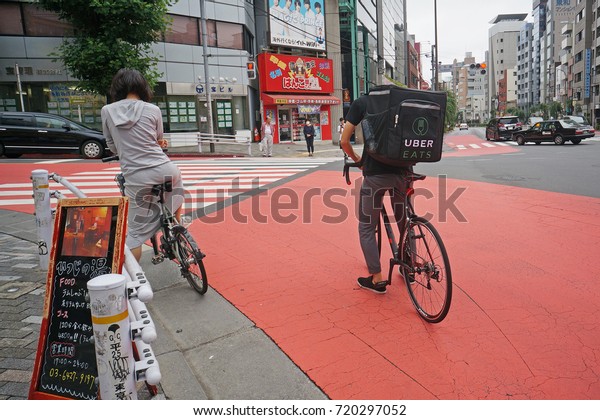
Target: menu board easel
x=89, y=240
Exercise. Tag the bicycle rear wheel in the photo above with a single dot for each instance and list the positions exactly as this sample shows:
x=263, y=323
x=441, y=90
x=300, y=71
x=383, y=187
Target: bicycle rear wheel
x=189, y=258
x=429, y=279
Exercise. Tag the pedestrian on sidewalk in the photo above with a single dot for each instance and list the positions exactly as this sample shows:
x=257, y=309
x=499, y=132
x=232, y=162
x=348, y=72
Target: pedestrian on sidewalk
x=134, y=131
x=309, y=136
x=341, y=130
x=267, y=130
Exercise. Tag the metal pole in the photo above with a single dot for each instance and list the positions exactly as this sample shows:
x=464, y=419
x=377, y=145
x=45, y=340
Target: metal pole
x=436, y=45
x=206, y=55
x=19, y=87
x=43, y=214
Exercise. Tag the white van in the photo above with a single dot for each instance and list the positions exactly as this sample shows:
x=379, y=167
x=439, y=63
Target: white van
x=532, y=120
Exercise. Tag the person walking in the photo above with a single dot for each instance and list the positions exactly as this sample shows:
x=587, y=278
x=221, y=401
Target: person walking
x=378, y=179
x=309, y=136
x=267, y=130
x=340, y=131
x=134, y=131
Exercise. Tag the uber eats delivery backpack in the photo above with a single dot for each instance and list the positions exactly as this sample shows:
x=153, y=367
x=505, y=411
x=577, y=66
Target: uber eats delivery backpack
x=404, y=126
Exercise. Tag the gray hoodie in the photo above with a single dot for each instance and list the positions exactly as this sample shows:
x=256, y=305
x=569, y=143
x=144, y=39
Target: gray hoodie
x=132, y=128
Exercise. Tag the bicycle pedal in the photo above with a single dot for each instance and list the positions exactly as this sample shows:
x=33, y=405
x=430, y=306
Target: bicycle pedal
x=157, y=259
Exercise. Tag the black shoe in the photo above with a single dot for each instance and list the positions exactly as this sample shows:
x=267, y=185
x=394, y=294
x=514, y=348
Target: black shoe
x=367, y=283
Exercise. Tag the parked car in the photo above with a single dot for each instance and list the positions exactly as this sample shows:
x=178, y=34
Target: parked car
x=557, y=131
x=35, y=132
x=463, y=126
x=502, y=128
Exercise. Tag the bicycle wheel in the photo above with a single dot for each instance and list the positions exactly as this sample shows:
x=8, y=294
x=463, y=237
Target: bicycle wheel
x=189, y=258
x=429, y=279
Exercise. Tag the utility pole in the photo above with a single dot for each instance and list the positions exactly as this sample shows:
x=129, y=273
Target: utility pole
x=435, y=80
x=206, y=67
x=17, y=71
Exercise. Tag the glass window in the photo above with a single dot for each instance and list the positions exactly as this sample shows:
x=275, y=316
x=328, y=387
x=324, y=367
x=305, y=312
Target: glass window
x=211, y=29
x=39, y=22
x=10, y=19
x=230, y=35
x=49, y=122
x=183, y=30
x=19, y=120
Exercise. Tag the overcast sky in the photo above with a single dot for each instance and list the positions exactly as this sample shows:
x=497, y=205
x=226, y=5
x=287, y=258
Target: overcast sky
x=463, y=25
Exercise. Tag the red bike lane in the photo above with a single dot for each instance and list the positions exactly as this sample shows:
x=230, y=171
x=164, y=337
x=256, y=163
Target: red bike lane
x=523, y=319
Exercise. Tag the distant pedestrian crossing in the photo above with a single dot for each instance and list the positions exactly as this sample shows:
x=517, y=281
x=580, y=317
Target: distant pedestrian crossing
x=496, y=144
x=206, y=181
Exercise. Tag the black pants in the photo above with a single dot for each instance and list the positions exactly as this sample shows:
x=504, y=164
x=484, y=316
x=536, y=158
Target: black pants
x=310, y=144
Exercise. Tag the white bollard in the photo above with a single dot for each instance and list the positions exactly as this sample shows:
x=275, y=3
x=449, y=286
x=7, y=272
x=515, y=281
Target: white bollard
x=43, y=214
x=112, y=337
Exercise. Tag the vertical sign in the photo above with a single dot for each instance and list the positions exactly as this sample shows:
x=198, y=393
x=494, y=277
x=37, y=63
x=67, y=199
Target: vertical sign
x=588, y=72
x=89, y=241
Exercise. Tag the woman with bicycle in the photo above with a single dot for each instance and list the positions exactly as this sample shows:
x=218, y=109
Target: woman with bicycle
x=378, y=178
x=134, y=131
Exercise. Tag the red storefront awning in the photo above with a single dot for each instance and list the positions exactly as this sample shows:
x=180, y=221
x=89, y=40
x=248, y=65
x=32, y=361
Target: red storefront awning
x=273, y=99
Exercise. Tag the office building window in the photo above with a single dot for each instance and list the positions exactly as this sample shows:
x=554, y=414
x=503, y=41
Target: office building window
x=39, y=22
x=183, y=30
x=10, y=19
x=230, y=35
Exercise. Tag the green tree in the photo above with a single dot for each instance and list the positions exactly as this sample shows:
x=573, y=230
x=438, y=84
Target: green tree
x=110, y=35
x=451, y=110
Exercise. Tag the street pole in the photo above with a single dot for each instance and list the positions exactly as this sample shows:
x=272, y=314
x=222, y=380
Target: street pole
x=19, y=87
x=436, y=46
x=206, y=67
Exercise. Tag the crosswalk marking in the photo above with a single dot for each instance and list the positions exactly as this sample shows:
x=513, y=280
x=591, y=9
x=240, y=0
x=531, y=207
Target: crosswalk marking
x=206, y=181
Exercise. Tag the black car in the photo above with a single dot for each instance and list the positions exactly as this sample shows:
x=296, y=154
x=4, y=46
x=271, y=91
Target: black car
x=502, y=128
x=557, y=131
x=35, y=132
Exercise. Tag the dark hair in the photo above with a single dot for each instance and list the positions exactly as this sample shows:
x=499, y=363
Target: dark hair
x=317, y=5
x=128, y=81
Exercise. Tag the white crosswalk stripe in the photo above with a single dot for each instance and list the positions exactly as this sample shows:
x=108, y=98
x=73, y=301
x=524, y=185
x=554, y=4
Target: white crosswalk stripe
x=206, y=181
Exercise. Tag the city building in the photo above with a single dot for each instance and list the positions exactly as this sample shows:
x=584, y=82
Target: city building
x=503, y=52
x=525, y=69
x=29, y=35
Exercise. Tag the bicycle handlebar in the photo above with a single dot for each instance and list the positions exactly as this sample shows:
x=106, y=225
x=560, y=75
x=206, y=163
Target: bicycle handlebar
x=349, y=163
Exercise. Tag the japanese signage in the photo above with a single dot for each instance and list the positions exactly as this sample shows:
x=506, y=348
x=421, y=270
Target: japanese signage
x=298, y=23
x=89, y=241
x=294, y=74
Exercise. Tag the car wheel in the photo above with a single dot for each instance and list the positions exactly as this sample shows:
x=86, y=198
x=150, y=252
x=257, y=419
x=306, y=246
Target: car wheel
x=538, y=142
x=575, y=141
x=520, y=140
x=91, y=149
x=1, y=149
x=558, y=139
x=13, y=155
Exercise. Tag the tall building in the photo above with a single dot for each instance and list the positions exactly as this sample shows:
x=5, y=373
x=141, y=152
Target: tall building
x=540, y=71
x=525, y=69
x=583, y=56
x=503, y=53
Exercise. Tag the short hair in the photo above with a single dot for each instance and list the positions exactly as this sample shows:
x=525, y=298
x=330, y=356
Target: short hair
x=307, y=2
x=128, y=81
x=317, y=5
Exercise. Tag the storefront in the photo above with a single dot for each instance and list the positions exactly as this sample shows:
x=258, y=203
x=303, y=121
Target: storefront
x=294, y=89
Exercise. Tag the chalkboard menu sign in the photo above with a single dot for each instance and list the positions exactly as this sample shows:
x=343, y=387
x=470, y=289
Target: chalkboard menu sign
x=88, y=242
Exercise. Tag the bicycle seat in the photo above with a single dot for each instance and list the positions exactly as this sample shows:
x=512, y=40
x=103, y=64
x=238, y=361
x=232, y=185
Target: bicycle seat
x=165, y=186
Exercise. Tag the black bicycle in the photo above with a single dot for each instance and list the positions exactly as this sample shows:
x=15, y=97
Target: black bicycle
x=173, y=240
x=420, y=255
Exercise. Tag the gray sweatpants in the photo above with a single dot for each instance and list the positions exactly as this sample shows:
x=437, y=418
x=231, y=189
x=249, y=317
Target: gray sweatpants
x=372, y=191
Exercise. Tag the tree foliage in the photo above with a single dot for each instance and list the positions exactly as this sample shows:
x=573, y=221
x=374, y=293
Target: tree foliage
x=110, y=35
x=451, y=110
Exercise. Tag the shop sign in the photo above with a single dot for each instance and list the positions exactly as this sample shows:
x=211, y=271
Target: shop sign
x=295, y=74
x=309, y=109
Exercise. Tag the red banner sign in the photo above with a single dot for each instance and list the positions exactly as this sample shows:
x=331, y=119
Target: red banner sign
x=294, y=74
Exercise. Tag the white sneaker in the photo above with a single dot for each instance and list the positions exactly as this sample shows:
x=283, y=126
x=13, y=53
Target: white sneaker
x=186, y=221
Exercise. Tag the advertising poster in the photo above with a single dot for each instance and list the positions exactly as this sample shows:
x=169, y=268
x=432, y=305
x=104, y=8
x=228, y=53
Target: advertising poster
x=298, y=23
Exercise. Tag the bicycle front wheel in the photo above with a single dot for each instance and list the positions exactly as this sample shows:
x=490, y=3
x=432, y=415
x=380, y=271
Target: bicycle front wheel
x=189, y=259
x=428, y=276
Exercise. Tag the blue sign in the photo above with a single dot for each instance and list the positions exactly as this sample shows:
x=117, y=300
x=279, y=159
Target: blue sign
x=199, y=89
x=588, y=71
